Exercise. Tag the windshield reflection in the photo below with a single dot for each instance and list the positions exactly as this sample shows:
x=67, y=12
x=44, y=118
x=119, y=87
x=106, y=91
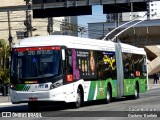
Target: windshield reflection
x=39, y=64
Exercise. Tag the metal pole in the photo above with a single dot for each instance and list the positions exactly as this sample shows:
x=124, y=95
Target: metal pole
x=125, y=30
x=131, y=10
x=28, y=21
x=50, y=26
x=10, y=38
x=117, y=24
x=9, y=25
x=8, y=94
x=103, y=30
x=122, y=26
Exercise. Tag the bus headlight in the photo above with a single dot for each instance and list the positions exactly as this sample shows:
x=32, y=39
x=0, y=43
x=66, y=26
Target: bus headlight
x=13, y=87
x=56, y=84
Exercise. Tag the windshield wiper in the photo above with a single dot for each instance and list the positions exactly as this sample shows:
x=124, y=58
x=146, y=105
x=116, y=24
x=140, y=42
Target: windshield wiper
x=46, y=75
x=40, y=76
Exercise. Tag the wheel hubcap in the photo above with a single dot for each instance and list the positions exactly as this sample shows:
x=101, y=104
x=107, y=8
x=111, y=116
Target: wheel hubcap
x=78, y=99
x=136, y=93
x=108, y=95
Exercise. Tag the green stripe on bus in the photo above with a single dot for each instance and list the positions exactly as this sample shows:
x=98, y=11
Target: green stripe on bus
x=92, y=90
x=22, y=87
x=98, y=88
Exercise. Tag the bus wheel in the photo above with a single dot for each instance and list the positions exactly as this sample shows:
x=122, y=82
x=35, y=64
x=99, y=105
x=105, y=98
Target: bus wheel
x=33, y=106
x=78, y=102
x=136, y=92
x=108, y=95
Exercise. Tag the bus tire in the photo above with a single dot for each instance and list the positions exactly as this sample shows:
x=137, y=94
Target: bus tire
x=108, y=95
x=78, y=102
x=136, y=92
x=33, y=106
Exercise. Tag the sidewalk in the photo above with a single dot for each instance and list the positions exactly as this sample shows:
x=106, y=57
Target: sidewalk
x=153, y=86
x=5, y=100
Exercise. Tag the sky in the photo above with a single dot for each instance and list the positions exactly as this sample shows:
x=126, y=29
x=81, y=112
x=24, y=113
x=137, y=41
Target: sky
x=97, y=16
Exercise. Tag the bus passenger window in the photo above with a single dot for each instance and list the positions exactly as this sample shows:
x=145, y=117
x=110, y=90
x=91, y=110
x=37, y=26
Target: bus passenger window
x=69, y=69
x=106, y=65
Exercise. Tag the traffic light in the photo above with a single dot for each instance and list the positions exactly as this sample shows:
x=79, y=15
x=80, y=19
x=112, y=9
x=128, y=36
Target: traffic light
x=50, y=25
x=28, y=25
x=27, y=22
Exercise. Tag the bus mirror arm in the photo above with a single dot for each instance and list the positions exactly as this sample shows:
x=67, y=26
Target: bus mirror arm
x=63, y=54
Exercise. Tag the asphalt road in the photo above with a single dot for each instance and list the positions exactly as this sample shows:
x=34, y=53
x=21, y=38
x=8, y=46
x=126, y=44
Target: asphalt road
x=98, y=110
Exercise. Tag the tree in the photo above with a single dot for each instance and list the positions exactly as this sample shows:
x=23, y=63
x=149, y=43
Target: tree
x=4, y=54
x=81, y=30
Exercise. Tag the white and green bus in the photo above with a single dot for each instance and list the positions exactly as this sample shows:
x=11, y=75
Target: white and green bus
x=75, y=70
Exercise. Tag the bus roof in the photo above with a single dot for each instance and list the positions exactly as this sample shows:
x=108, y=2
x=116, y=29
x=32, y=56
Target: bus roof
x=74, y=42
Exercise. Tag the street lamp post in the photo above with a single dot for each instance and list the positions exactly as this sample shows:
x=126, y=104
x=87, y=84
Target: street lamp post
x=10, y=37
x=9, y=28
x=28, y=21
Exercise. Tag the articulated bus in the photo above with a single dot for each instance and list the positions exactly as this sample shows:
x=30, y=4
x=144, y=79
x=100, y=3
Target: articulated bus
x=75, y=70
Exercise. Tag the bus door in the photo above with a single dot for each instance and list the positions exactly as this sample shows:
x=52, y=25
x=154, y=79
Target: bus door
x=119, y=65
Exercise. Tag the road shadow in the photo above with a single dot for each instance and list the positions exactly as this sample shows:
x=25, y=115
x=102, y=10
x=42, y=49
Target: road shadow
x=54, y=107
x=19, y=108
x=70, y=107
x=41, y=108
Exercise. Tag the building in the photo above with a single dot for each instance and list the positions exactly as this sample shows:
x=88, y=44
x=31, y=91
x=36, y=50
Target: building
x=153, y=13
x=98, y=30
x=153, y=10
x=18, y=27
x=68, y=26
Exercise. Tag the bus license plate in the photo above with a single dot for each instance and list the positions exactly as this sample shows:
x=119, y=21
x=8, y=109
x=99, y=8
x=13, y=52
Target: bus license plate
x=33, y=99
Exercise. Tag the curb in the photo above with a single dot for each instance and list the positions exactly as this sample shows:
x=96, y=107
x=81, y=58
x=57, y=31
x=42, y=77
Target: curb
x=153, y=86
x=6, y=103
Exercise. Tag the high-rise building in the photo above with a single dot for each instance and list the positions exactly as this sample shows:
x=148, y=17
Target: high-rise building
x=69, y=26
x=153, y=12
x=154, y=9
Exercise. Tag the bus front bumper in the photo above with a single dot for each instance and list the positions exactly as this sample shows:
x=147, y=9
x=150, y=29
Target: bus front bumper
x=50, y=96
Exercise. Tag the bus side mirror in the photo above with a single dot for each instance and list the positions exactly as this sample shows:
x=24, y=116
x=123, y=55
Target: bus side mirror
x=63, y=54
x=7, y=63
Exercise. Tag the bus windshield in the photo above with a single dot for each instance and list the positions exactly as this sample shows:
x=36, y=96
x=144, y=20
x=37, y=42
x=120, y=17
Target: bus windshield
x=31, y=63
